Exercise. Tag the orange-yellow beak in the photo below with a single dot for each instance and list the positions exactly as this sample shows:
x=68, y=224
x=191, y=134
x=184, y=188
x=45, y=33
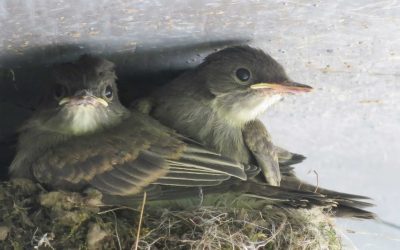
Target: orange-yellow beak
x=283, y=87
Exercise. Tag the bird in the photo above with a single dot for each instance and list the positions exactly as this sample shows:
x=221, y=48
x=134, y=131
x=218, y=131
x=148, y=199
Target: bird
x=83, y=138
x=79, y=99
x=218, y=104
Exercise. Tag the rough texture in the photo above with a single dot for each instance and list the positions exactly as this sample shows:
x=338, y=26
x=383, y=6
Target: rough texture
x=33, y=218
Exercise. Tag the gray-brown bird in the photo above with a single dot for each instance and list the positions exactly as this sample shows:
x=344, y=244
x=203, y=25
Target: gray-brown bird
x=84, y=138
x=218, y=102
x=81, y=99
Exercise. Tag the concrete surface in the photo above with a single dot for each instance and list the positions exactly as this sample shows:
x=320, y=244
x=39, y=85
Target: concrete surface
x=349, y=128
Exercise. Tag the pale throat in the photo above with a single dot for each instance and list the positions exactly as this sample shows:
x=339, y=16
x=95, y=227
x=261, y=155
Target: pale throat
x=241, y=112
x=81, y=120
x=84, y=120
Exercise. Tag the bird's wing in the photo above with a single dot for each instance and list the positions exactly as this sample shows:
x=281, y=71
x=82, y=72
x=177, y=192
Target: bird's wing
x=128, y=158
x=258, y=141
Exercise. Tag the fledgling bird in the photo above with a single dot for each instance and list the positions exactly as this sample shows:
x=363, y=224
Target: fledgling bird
x=218, y=102
x=84, y=138
x=80, y=99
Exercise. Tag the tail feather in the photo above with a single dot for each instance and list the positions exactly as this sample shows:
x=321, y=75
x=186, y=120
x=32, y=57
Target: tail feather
x=257, y=196
x=352, y=212
x=340, y=204
x=294, y=183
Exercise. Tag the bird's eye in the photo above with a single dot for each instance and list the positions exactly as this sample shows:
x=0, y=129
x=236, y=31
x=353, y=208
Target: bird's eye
x=108, y=92
x=59, y=91
x=243, y=74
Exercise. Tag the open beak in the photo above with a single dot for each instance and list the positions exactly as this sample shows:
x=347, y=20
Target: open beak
x=82, y=100
x=283, y=87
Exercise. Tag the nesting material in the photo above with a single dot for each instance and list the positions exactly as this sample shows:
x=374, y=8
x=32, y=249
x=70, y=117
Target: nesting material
x=36, y=219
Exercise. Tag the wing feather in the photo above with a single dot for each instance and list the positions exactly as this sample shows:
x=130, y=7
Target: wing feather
x=138, y=154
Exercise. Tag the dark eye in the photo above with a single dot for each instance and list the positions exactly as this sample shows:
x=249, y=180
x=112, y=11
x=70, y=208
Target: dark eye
x=108, y=92
x=243, y=74
x=59, y=91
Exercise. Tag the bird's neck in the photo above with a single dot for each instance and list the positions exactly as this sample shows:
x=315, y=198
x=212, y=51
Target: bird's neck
x=239, y=113
x=82, y=120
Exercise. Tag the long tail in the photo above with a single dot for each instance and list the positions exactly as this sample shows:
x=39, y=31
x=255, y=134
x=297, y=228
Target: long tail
x=257, y=196
x=347, y=205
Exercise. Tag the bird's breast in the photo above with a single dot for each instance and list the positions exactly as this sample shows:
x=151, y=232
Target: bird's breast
x=227, y=140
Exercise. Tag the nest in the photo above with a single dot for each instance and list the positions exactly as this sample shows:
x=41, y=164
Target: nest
x=31, y=217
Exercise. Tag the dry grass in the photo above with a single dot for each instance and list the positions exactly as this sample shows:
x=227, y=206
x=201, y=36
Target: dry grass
x=224, y=228
x=35, y=219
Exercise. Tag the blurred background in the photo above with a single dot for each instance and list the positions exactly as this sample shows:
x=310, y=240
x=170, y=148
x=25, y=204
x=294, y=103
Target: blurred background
x=349, y=51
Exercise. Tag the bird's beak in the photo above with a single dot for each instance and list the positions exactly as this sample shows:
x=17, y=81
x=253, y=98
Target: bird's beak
x=283, y=87
x=83, y=99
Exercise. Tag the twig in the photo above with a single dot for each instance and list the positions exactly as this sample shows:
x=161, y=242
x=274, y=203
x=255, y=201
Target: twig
x=116, y=230
x=115, y=209
x=135, y=247
x=317, y=186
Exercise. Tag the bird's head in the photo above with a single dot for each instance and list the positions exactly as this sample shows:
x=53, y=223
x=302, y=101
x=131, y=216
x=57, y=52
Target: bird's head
x=245, y=82
x=82, y=98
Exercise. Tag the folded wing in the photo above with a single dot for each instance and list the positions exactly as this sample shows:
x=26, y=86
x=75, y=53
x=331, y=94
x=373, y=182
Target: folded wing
x=125, y=160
